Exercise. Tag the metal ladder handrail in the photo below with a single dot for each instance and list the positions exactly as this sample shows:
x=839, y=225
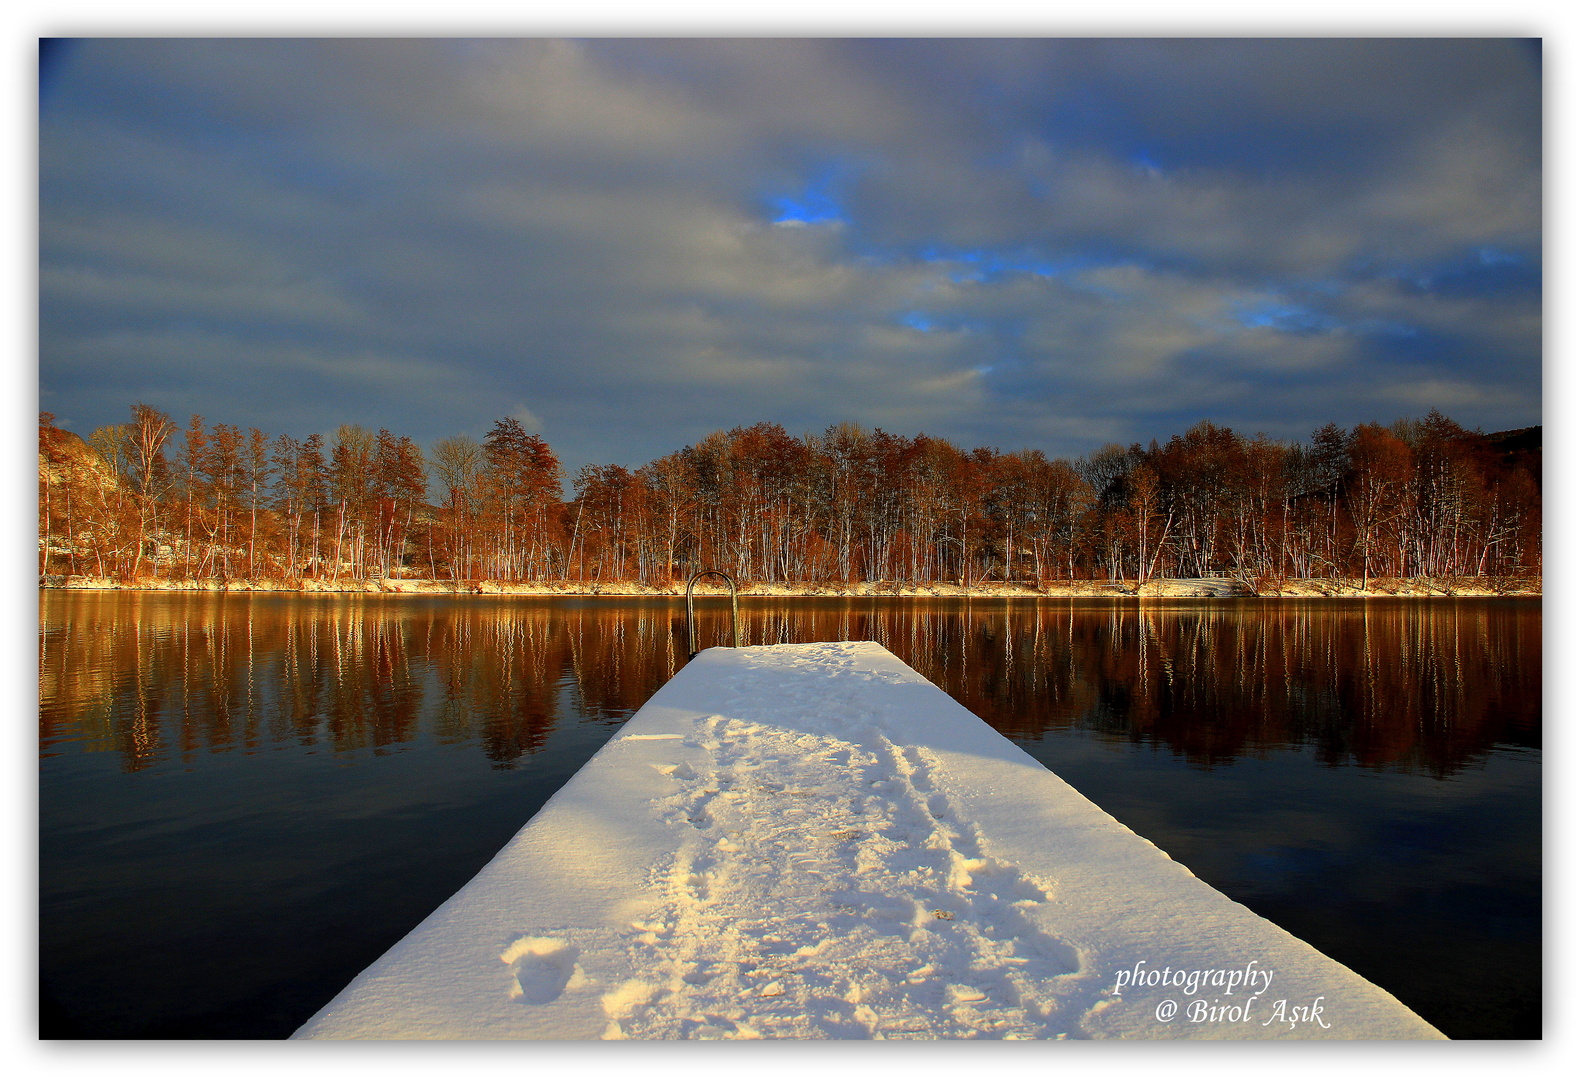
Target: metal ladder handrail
x=691, y=615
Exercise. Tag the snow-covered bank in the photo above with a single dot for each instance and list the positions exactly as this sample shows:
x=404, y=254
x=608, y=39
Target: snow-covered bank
x=813, y=841
x=1165, y=588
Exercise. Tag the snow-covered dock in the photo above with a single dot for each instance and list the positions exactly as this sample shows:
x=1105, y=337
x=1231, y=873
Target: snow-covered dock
x=813, y=841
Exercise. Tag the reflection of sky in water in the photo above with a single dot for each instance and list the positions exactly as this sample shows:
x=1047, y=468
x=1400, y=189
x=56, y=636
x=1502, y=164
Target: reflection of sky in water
x=261, y=794
x=1281, y=863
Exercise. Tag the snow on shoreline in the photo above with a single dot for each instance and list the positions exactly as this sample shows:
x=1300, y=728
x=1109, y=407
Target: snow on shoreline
x=813, y=841
x=1164, y=588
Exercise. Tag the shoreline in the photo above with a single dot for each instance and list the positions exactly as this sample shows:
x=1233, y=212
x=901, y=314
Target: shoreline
x=1166, y=588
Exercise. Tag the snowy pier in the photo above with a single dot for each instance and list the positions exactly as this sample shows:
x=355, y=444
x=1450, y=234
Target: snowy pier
x=813, y=841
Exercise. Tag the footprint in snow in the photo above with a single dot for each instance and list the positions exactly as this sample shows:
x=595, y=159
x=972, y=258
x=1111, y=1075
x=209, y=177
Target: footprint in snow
x=542, y=968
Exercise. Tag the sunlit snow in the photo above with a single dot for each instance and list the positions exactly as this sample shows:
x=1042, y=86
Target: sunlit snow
x=813, y=841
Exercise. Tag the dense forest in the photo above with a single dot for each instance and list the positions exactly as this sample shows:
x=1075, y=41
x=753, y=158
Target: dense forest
x=148, y=499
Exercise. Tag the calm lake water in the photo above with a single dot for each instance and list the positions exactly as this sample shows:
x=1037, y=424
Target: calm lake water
x=244, y=800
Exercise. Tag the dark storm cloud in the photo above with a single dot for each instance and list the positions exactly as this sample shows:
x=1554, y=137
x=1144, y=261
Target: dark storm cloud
x=627, y=244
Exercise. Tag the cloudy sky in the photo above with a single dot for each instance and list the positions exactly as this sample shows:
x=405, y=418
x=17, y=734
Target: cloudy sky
x=627, y=244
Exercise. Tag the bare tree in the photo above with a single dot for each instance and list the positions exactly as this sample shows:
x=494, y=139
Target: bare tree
x=149, y=473
x=1375, y=488
x=458, y=463
x=255, y=471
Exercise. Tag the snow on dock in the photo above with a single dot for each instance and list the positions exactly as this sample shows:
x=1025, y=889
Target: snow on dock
x=813, y=841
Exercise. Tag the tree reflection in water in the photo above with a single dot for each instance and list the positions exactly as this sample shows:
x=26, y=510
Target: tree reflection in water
x=1425, y=687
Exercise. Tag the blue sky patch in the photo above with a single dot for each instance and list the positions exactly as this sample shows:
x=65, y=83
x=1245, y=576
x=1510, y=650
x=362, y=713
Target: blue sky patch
x=817, y=201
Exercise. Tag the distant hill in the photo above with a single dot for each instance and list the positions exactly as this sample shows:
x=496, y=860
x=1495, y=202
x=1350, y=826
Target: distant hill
x=1521, y=448
x=80, y=459
x=1529, y=438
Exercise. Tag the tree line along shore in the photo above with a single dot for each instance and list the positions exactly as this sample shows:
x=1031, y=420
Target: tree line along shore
x=1419, y=507
x=1177, y=588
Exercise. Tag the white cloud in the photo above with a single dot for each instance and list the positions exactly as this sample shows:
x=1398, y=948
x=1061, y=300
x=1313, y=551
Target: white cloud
x=528, y=418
